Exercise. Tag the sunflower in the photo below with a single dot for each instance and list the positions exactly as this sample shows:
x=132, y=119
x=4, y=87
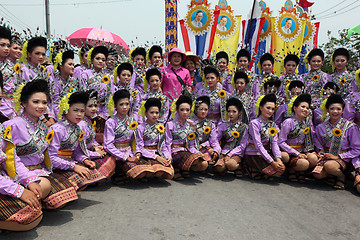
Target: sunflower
x=134, y=94
x=250, y=79
x=222, y=93
x=342, y=81
x=288, y=81
x=315, y=78
x=49, y=136
x=105, y=79
x=272, y=131
x=7, y=132
x=133, y=125
x=276, y=106
x=94, y=125
x=235, y=134
x=207, y=130
x=81, y=136
x=306, y=130
x=337, y=132
x=42, y=67
x=191, y=136
x=17, y=68
x=160, y=128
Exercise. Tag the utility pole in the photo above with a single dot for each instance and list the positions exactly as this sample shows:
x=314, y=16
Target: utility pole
x=47, y=15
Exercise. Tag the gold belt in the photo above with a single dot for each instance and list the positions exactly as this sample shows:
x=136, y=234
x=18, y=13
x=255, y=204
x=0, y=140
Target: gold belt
x=33, y=167
x=151, y=147
x=297, y=146
x=122, y=144
x=177, y=145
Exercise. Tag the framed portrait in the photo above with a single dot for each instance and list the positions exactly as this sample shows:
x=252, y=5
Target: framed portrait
x=226, y=25
x=288, y=26
x=198, y=19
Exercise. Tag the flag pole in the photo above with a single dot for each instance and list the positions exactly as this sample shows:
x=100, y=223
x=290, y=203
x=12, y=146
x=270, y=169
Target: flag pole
x=251, y=17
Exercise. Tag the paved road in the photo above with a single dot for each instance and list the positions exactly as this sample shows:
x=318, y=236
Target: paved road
x=204, y=207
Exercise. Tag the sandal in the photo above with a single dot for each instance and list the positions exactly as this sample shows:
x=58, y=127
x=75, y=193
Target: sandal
x=292, y=177
x=339, y=185
x=238, y=173
x=185, y=174
x=301, y=177
x=178, y=176
x=119, y=180
x=256, y=175
x=330, y=181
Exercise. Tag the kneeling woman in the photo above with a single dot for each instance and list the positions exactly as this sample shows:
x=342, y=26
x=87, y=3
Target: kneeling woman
x=150, y=138
x=233, y=136
x=263, y=141
x=206, y=135
x=30, y=137
x=296, y=138
x=119, y=135
x=180, y=140
x=67, y=149
x=337, y=141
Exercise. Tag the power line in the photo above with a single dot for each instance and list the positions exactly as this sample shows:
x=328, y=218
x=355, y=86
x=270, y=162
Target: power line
x=340, y=13
x=338, y=9
x=19, y=20
x=13, y=20
x=65, y=4
x=331, y=8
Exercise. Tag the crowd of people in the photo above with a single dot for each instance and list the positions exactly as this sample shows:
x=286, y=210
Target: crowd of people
x=64, y=127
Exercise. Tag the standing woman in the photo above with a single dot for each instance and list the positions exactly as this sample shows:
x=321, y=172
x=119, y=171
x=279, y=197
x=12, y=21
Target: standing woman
x=31, y=136
x=296, y=138
x=155, y=57
x=206, y=140
x=266, y=65
x=233, y=137
x=315, y=79
x=83, y=56
x=180, y=141
x=222, y=62
x=337, y=142
x=150, y=138
x=262, y=154
x=191, y=63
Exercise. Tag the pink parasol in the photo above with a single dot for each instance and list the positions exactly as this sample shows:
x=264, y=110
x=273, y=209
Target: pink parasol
x=95, y=35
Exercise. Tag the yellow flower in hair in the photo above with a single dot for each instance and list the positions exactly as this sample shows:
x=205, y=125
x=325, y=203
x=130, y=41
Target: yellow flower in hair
x=257, y=105
x=235, y=134
x=17, y=68
x=306, y=130
x=173, y=108
x=94, y=125
x=207, y=130
x=64, y=105
x=17, y=96
x=133, y=125
x=49, y=136
x=105, y=79
x=7, y=132
x=250, y=78
x=357, y=77
x=272, y=131
x=191, y=136
x=81, y=136
x=323, y=109
x=142, y=109
x=42, y=67
x=342, y=81
x=337, y=132
x=160, y=128
x=315, y=78
x=80, y=58
x=89, y=56
x=58, y=60
x=291, y=104
x=111, y=105
x=222, y=93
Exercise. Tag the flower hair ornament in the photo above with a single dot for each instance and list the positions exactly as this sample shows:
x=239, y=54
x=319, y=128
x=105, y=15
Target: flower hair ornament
x=58, y=60
x=64, y=105
x=257, y=105
x=357, y=77
x=89, y=56
x=173, y=108
x=17, y=97
x=323, y=109
x=111, y=106
x=115, y=73
x=142, y=109
x=24, y=53
x=291, y=104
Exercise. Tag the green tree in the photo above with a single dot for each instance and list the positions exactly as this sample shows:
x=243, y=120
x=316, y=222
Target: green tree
x=352, y=45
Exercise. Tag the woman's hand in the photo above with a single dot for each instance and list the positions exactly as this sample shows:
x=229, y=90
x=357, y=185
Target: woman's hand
x=132, y=159
x=36, y=189
x=278, y=165
x=89, y=163
x=162, y=160
x=330, y=156
x=30, y=198
x=82, y=171
x=303, y=156
x=98, y=148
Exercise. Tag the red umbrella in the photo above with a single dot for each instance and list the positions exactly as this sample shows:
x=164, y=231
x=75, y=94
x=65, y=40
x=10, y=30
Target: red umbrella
x=95, y=35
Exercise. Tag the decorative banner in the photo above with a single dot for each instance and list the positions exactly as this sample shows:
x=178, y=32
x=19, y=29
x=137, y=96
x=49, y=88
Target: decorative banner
x=227, y=32
x=170, y=25
x=198, y=29
x=288, y=34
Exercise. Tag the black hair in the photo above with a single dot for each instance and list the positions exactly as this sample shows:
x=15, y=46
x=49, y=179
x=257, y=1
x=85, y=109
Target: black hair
x=210, y=69
x=36, y=42
x=316, y=52
x=139, y=51
x=17, y=40
x=124, y=66
x=243, y=53
x=203, y=99
x=292, y=57
x=154, y=49
x=272, y=82
x=152, y=72
x=335, y=98
x=332, y=86
x=241, y=75
x=234, y=102
x=222, y=54
x=61, y=44
x=152, y=102
x=267, y=56
x=296, y=83
x=85, y=48
x=69, y=54
x=341, y=52
x=268, y=98
x=99, y=49
x=5, y=33
x=305, y=97
x=1, y=81
x=78, y=97
x=198, y=12
x=120, y=94
x=92, y=94
x=35, y=86
x=183, y=99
